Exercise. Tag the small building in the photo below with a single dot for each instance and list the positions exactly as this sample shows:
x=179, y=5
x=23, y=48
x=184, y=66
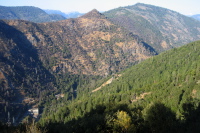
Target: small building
x=34, y=112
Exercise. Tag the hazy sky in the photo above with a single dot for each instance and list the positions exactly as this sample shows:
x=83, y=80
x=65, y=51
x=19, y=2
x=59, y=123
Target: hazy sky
x=187, y=7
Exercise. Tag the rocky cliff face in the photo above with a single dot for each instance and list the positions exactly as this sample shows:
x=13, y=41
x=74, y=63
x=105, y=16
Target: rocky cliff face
x=159, y=27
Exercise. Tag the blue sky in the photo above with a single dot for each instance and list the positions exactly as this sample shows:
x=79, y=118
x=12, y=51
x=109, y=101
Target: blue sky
x=187, y=7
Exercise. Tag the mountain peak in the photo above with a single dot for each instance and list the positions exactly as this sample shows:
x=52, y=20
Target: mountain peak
x=93, y=14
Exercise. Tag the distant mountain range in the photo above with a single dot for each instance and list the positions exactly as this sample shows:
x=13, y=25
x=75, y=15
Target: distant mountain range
x=67, y=15
x=161, y=28
x=29, y=13
x=197, y=17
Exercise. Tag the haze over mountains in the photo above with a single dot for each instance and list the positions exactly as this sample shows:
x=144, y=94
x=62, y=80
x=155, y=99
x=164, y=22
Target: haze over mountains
x=75, y=56
x=197, y=16
x=66, y=15
x=29, y=13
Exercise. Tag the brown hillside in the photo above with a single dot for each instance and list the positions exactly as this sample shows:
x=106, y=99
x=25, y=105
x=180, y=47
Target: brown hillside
x=90, y=45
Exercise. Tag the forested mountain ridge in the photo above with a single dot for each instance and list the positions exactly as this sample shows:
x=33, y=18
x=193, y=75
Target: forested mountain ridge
x=39, y=59
x=161, y=94
x=161, y=28
x=28, y=13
